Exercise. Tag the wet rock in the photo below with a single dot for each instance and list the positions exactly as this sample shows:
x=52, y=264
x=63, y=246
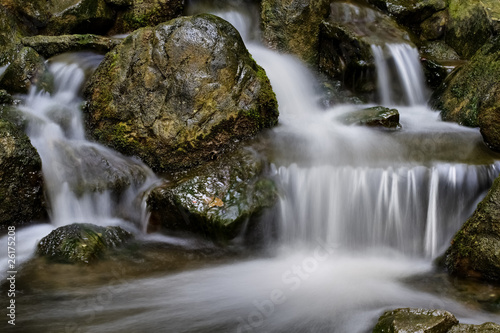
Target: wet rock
x=471, y=24
x=435, y=26
x=409, y=11
x=470, y=95
x=27, y=69
x=215, y=200
x=346, y=40
x=377, y=116
x=21, y=181
x=475, y=249
x=137, y=14
x=484, y=328
x=293, y=26
x=175, y=94
x=438, y=50
x=80, y=17
x=81, y=243
x=10, y=31
x=31, y=14
x=415, y=321
x=49, y=46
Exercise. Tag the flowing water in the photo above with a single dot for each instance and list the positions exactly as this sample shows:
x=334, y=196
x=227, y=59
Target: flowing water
x=360, y=210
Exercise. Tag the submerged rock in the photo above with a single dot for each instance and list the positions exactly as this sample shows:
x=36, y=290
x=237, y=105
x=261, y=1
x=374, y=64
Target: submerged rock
x=49, y=46
x=178, y=93
x=21, y=180
x=377, y=116
x=427, y=321
x=415, y=321
x=293, y=26
x=346, y=40
x=27, y=69
x=470, y=96
x=215, y=200
x=475, y=249
x=81, y=242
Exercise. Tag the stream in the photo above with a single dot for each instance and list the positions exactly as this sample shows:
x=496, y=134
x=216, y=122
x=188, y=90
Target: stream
x=361, y=211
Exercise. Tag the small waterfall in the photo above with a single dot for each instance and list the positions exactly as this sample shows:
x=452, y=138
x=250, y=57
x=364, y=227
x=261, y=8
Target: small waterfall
x=399, y=73
x=85, y=181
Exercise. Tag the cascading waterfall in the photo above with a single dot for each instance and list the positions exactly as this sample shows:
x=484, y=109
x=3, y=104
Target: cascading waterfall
x=405, y=72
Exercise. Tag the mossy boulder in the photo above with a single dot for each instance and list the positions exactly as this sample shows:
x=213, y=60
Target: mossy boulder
x=472, y=92
x=27, y=69
x=49, y=46
x=475, y=249
x=177, y=93
x=408, y=320
x=81, y=243
x=377, y=116
x=10, y=34
x=471, y=24
x=293, y=26
x=434, y=27
x=136, y=14
x=21, y=180
x=215, y=200
x=346, y=40
x=409, y=11
x=79, y=17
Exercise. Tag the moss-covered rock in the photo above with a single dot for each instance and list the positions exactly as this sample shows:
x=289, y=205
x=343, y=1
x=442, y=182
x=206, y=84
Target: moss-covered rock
x=215, y=200
x=49, y=46
x=408, y=320
x=142, y=13
x=435, y=26
x=409, y=11
x=21, y=181
x=293, y=26
x=377, y=116
x=472, y=90
x=475, y=249
x=175, y=94
x=484, y=328
x=346, y=40
x=79, y=17
x=10, y=33
x=471, y=24
x=81, y=243
x=27, y=69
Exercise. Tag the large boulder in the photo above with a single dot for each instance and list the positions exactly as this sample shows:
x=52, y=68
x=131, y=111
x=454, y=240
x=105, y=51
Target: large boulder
x=409, y=11
x=135, y=14
x=21, y=181
x=27, y=69
x=471, y=24
x=215, y=200
x=293, y=26
x=179, y=93
x=10, y=33
x=475, y=249
x=409, y=320
x=81, y=243
x=49, y=46
x=471, y=93
x=346, y=40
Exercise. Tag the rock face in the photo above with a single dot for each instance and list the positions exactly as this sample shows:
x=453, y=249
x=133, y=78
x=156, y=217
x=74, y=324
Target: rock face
x=470, y=95
x=177, y=94
x=475, y=249
x=81, y=242
x=346, y=40
x=21, y=182
x=293, y=26
x=377, y=116
x=134, y=14
x=427, y=321
x=49, y=46
x=28, y=68
x=471, y=24
x=216, y=199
